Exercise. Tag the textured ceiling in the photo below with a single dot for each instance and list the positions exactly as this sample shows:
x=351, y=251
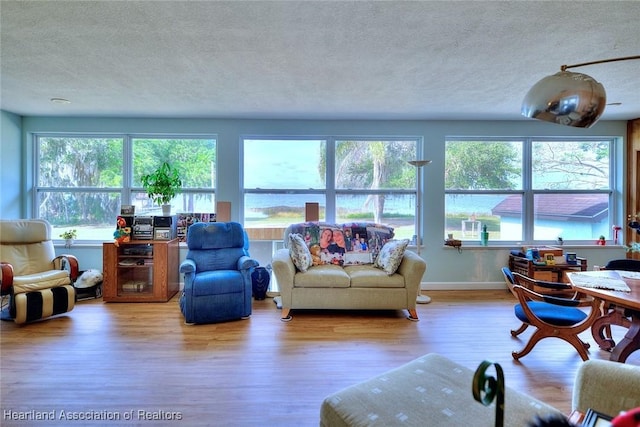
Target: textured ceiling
x=308, y=59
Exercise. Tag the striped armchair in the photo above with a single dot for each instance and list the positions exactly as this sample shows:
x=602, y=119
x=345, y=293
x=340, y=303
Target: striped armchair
x=37, y=282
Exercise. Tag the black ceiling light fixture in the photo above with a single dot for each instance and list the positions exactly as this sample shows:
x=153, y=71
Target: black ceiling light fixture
x=568, y=98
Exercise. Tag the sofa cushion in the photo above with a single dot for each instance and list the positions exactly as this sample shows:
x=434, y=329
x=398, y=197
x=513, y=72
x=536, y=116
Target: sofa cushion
x=366, y=276
x=390, y=256
x=322, y=276
x=299, y=252
x=218, y=282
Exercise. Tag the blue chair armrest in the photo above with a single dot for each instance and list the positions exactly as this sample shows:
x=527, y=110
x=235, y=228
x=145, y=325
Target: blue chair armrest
x=247, y=263
x=187, y=266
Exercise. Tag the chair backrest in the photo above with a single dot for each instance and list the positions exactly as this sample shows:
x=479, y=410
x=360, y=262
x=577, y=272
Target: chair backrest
x=508, y=276
x=216, y=245
x=509, y=279
x=26, y=244
x=544, y=287
x=623, y=264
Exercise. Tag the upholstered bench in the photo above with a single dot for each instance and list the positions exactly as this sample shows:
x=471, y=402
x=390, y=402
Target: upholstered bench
x=429, y=391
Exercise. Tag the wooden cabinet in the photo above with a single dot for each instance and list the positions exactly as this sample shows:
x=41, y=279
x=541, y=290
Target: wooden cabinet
x=140, y=271
x=550, y=273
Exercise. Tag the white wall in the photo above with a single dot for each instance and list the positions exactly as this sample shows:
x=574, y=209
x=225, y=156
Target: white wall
x=475, y=267
x=11, y=165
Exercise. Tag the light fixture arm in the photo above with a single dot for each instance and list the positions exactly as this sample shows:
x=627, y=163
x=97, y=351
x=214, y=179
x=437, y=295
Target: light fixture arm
x=625, y=58
x=568, y=98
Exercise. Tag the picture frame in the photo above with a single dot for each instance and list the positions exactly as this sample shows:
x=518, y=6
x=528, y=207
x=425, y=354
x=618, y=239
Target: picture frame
x=162, y=234
x=127, y=210
x=596, y=419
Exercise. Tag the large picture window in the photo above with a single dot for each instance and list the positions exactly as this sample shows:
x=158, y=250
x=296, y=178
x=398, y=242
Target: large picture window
x=82, y=181
x=194, y=158
x=529, y=189
x=364, y=179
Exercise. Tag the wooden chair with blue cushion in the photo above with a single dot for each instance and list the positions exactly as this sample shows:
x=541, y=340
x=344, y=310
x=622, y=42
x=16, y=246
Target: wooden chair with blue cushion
x=217, y=273
x=552, y=316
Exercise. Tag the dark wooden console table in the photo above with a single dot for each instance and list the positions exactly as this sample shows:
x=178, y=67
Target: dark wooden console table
x=550, y=273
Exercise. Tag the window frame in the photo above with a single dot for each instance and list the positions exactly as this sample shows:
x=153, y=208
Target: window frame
x=127, y=190
x=330, y=192
x=528, y=193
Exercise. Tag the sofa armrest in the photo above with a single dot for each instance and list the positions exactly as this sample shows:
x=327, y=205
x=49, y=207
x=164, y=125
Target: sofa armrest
x=607, y=387
x=412, y=268
x=284, y=270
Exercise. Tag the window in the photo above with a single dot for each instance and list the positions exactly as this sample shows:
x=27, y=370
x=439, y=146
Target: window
x=196, y=161
x=528, y=189
x=363, y=179
x=81, y=181
x=571, y=189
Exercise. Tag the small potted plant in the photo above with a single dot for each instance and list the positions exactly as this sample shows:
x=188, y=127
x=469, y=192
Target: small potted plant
x=162, y=185
x=602, y=240
x=69, y=237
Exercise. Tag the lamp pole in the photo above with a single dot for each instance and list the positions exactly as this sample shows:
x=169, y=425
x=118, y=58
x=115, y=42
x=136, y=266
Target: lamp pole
x=420, y=299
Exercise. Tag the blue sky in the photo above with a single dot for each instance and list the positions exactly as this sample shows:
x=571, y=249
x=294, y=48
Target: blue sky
x=266, y=167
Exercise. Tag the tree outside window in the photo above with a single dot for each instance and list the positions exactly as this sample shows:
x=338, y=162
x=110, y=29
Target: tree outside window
x=565, y=192
x=82, y=181
x=351, y=179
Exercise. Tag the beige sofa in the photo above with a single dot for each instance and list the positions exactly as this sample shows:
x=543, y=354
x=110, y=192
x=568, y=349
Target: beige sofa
x=435, y=391
x=348, y=287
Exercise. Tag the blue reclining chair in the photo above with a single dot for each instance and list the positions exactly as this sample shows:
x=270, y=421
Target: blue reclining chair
x=217, y=273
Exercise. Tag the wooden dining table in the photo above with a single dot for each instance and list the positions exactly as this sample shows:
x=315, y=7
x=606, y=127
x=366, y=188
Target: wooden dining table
x=620, y=307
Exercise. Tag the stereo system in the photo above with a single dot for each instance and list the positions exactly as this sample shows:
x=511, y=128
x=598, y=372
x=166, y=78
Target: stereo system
x=152, y=227
x=165, y=227
x=142, y=228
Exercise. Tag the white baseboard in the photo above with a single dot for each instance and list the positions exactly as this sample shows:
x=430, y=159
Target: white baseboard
x=433, y=286
x=461, y=286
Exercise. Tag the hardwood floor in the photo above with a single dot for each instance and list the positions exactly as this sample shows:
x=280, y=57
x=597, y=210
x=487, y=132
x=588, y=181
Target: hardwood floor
x=116, y=358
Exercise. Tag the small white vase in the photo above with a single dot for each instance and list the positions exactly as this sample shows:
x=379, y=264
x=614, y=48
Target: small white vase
x=68, y=243
x=166, y=210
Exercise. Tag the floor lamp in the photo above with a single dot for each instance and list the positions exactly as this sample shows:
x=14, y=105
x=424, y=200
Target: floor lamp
x=420, y=299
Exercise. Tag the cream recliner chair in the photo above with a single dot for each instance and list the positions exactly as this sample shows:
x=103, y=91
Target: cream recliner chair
x=38, y=283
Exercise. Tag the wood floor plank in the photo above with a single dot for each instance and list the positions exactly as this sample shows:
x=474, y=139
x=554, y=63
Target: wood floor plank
x=111, y=359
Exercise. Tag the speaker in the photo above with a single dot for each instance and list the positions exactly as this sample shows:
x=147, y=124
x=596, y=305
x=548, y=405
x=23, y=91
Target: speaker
x=165, y=227
x=163, y=221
